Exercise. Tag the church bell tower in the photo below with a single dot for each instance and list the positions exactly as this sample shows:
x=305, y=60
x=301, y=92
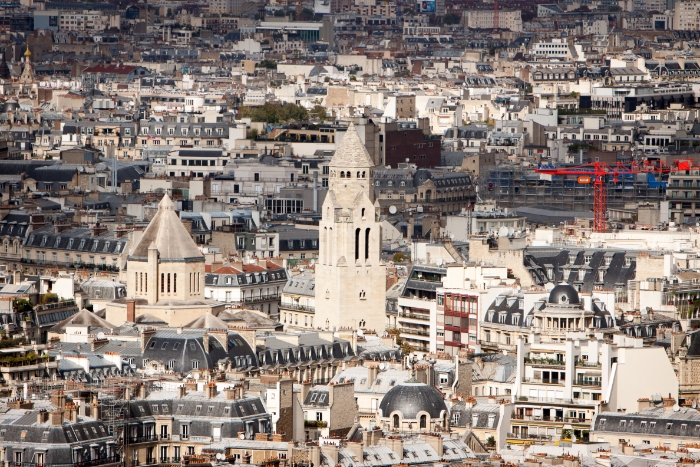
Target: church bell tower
x=350, y=276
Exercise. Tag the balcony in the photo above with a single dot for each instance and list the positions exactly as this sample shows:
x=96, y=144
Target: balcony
x=260, y=298
x=587, y=383
x=543, y=381
x=164, y=436
x=545, y=362
x=415, y=332
x=296, y=306
x=538, y=418
x=150, y=461
x=142, y=439
x=587, y=364
x=420, y=316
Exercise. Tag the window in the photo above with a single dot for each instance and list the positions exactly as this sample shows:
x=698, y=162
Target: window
x=195, y=364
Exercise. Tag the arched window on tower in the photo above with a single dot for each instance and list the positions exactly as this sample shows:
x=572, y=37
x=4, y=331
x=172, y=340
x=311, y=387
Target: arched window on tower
x=423, y=421
x=363, y=213
x=175, y=283
x=363, y=174
x=396, y=420
x=357, y=244
x=358, y=174
x=342, y=174
x=168, y=282
x=366, y=244
x=162, y=282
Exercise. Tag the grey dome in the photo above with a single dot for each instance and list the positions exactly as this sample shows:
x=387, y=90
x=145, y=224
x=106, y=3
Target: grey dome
x=564, y=294
x=410, y=398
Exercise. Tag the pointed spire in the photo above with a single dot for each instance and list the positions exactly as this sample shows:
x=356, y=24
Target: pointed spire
x=166, y=204
x=351, y=152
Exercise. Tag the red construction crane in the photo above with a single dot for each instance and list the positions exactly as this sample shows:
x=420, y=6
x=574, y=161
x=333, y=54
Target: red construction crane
x=601, y=174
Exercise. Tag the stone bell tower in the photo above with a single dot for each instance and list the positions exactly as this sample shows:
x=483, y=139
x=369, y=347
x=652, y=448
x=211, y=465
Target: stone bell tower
x=350, y=276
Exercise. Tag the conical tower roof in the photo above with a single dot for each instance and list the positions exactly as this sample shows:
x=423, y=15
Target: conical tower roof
x=168, y=235
x=351, y=152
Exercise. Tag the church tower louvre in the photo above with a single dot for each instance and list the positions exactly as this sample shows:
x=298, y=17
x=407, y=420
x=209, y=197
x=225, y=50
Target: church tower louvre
x=350, y=276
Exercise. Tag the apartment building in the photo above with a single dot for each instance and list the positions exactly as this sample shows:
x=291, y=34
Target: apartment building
x=189, y=135
x=484, y=19
x=686, y=15
x=298, y=302
x=561, y=386
x=253, y=286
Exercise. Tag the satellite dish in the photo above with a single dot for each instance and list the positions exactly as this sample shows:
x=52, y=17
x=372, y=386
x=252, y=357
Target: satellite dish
x=676, y=408
x=100, y=167
x=392, y=209
x=100, y=335
x=382, y=366
x=503, y=231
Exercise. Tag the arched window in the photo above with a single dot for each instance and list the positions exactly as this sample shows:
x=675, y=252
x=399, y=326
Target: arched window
x=342, y=174
x=423, y=421
x=175, y=283
x=162, y=282
x=396, y=420
x=146, y=285
x=168, y=282
x=366, y=244
x=363, y=174
x=357, y=244
x=363, y=212
x=136, y=278
x=358, y=174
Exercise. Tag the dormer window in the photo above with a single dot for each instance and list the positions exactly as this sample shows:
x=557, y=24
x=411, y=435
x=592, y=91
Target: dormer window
x=58, y=242
x=43, y=240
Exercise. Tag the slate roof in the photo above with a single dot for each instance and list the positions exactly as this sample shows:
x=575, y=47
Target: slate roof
x=410, y=399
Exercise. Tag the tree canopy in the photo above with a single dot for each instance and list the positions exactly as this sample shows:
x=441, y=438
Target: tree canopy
x=274, y=113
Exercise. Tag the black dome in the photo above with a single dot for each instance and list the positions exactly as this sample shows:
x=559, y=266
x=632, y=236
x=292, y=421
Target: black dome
x=564, y=294
x=411, y=398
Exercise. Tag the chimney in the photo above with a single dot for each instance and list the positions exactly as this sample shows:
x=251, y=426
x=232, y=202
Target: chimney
x=211, y=391
x=98, y=229
x=643, y=404
x=42, y=416
x=331, y=450
x=305, y=387
x=131, y=311
x=395, y=443
x=234, y=393
x=435, y=441
x=372, y=372
x=145, y=337
x=72, y=413
x=58, y=399
x=181, y=391
x=142, y=391
x=56, y=417
x=357, y=451
x=315, y=455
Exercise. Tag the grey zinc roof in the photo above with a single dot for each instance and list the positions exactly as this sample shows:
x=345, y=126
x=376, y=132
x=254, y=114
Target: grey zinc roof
x=301, y=284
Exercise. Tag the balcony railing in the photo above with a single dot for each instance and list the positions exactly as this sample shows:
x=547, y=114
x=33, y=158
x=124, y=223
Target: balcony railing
x=587, y=364
x=420, y=316
x=543, y=380
x=260, y=298
x=150, y=461
x=588, y=383
x=414, y=331
x=296, y=306
x=142, y=439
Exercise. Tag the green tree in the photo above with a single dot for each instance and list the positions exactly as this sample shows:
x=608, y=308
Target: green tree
x=491, y=441
x=451, y=18
x=306, y=15
x=405, y=347
x=254, y=133
x=21, y=305
x=275, y=113
x=398, y=257
x=353, y=78
x=320, y=112
x=269, y=64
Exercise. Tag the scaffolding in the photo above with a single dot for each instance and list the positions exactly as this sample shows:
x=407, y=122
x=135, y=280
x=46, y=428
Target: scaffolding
x=515, y=187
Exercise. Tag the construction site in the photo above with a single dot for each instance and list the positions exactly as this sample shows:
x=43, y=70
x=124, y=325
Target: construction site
x=514, y=187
